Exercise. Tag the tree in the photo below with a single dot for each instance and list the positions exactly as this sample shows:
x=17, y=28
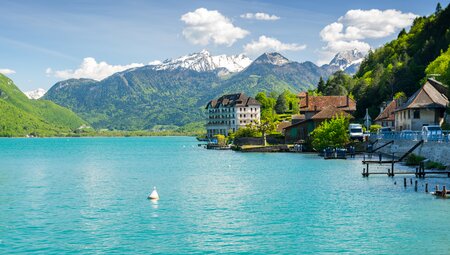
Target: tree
x=321, y=86
x=267, y=106
x=438, y=8
x=331, y=133
x=265, y=127
x=281, y=105
x=337, y=85
x=221, y=140
x=441, y=67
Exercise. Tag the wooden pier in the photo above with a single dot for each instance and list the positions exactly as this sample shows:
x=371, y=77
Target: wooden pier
x=420, y=172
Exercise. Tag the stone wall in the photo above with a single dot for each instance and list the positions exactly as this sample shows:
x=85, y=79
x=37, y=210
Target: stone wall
x=435, y=151
x=248, y=141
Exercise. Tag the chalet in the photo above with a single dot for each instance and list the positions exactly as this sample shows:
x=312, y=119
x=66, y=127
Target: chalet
x=386, y=118
x=425, y=107
x=301, y=130
x=230, y=112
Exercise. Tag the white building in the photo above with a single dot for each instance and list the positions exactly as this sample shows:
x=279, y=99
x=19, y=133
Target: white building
x=230, y=112
x=426, y=107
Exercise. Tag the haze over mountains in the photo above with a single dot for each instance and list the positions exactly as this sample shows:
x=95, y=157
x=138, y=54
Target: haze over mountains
x=175, y=91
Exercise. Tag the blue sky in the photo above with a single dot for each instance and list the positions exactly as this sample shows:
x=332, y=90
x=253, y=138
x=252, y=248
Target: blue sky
x=43, y=42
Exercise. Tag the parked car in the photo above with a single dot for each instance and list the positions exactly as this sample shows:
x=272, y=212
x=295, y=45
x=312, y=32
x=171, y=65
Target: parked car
x=431, y=133
x=408, y=135
x=356, y=131
x=382, y=132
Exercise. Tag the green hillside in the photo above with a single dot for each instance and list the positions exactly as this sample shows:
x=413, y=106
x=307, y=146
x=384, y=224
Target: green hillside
x=20, y=116
x=400, y=65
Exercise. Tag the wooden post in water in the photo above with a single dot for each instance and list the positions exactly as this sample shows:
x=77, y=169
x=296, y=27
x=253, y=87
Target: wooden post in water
x=436, y=188
x=426, y=187
x=444, y=191
x=410, y=181
x=415, y=185
x=404, y=182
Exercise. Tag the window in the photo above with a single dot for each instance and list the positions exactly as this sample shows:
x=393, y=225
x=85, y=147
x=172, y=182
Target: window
x=416, y=114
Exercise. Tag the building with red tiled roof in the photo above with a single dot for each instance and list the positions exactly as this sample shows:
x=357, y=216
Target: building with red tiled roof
x=386, y=118
x=311, y=105
x=301, y=130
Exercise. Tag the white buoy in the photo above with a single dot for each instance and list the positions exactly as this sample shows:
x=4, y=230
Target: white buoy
x=154, y=195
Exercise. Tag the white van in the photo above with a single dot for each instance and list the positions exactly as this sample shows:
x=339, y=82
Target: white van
x=356, y=131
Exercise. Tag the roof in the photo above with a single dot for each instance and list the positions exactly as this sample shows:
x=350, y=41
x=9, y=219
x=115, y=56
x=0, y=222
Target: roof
x=329, y=112
x=388, y=112
x=232, y=100
x=325, y=114
x=318, y=103
x=431, y=95
x=298, y=117
x=282, y=125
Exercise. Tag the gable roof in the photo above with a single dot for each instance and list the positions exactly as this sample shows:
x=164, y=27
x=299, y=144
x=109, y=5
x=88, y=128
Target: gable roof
x=431, y=95
x=329, y=112
x=388, y=112
x=318, y=103
x=325, y=114
x=231, y=100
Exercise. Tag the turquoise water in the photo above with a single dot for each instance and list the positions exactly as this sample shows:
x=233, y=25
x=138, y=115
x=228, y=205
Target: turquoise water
x=88, y=195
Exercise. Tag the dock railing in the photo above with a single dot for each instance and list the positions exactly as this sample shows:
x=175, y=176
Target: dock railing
x=443, y=137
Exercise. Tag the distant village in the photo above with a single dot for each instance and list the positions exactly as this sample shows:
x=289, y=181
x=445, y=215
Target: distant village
x=425, y=108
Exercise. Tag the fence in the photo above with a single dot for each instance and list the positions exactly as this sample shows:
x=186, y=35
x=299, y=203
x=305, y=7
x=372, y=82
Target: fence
x=440, y=136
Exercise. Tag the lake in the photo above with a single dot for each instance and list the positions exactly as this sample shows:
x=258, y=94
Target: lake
x=89, y=195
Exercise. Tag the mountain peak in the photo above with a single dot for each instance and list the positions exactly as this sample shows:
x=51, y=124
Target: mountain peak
x=273, y=58
x=204, y=61
x=348, y=61
x=35, y=94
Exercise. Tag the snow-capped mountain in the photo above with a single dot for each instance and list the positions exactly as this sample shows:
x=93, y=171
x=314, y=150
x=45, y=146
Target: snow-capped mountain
x=35, y=94
x=348, y=61
x=203, y=61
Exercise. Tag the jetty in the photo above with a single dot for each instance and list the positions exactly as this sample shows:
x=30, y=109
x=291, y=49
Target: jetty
x=420, y=172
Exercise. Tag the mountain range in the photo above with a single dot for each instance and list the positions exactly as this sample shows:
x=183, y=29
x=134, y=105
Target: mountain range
x=173, y=92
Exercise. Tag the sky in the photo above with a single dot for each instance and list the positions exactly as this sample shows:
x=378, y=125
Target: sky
x=43, y=42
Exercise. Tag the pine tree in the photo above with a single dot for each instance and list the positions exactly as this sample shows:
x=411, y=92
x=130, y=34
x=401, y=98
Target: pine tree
x=321, y=85
x=281, y=105
x=438, y=8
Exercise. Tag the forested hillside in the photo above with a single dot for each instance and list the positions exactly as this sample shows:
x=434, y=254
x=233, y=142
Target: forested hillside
x=20, y=116
x=401, y=65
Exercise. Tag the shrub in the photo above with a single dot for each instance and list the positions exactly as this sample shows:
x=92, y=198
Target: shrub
x=374, y=128
x=331, y=133
x=434, y=165
x=414, y=160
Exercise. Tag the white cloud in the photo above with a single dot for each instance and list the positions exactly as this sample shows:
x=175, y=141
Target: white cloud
x=259, y=16
x=357, y=25
x=92, y=69
x=204, y=27
x=265, y=44
x=7, y=71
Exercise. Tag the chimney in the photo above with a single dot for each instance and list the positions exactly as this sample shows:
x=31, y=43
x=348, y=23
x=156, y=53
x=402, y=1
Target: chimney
x=307, y=100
